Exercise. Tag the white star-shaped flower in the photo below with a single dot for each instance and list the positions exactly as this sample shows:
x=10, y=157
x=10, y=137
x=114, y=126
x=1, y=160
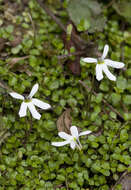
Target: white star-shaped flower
x=30, y=103
x=72, y=139
x=102, y=65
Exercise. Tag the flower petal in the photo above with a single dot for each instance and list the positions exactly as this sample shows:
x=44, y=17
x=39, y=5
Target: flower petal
x=108, y=73
x=64, y=135
x=85, y=133
x=33, y=110
x=99, y=74
x=106, y=49
x=114, y=64
x=72, y=145
x=74, y=131
x=16, y=95
x=60, y=143
x=33, y=90
x=23, y=109
x=40, y=104
x=89, y=60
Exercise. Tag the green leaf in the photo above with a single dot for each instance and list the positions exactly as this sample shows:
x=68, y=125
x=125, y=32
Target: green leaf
x=121, y=83
x=83, y=25
x=96, y=166
x=104, y=86
x=105, y=172
x=123, y=8
x=127, y=116
x=115, y=98
x=127, y=99
x=98, y=98
x=128, y=72
x=86, y=14
x=16, y=49
x=54, y=85
x=123, y=135
x=121, y=168
x=61, y=177
x=9, y=28
x=49, y=125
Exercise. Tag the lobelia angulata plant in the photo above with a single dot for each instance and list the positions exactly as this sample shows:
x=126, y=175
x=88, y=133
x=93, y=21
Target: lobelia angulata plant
x=72, y=139
x=102, y=65
x=30, y=102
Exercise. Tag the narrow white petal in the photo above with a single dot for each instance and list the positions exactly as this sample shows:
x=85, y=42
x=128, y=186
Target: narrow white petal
x=89, y=60
x=85, y=133
x=108, y=73
x=40, y=104
x=23, y=109
x=74, y=131
x=64, y=135
x=33, y=90
x=33, y=110
x=106, y=49
x=16, y=95
x=114, y=64
x=72, y=145
x=60, y=143
x=99, y=74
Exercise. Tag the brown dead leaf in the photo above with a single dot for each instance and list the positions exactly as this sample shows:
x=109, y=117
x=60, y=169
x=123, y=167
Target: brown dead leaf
x=64, y=121
x=75, y=65
x=126, y=182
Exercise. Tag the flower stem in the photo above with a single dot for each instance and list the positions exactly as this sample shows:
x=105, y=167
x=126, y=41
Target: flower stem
x=90, y=94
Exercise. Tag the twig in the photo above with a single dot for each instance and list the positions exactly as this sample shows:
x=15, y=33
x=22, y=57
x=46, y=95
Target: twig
x=103, y=100
x=110, y=4
x=3, y=85
x=90, y=94
x=14, y=60
x=49, y=12
x=70, y=54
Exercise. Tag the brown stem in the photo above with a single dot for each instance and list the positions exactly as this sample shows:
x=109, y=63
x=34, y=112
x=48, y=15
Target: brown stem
x=76, y=38
x=103, y=100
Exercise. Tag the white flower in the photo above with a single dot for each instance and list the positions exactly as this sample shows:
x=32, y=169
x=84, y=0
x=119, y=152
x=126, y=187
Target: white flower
x=72, y=139
x=102, y=65
x=30, y=103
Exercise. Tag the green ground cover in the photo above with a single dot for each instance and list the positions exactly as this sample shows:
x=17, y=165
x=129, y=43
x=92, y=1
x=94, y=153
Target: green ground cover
x=34, y=49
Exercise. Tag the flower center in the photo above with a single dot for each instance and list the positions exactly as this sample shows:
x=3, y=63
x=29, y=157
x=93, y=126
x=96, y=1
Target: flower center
x=100, y=61
x=74, y=139
x=27, y=100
